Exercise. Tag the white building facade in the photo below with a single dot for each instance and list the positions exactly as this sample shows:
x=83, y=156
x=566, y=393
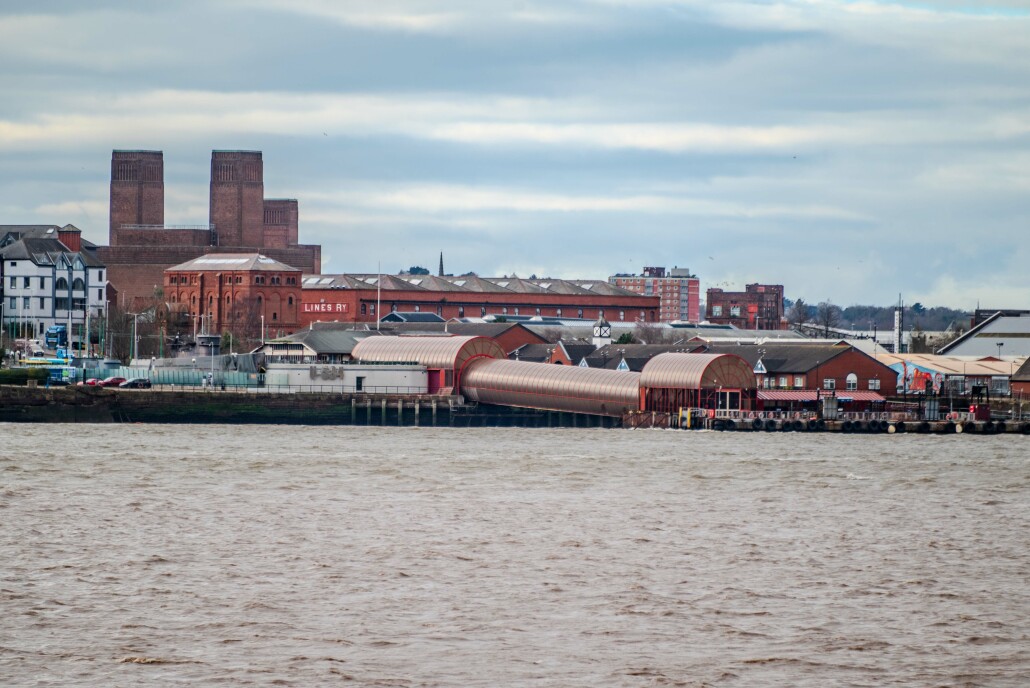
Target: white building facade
x=47, y=281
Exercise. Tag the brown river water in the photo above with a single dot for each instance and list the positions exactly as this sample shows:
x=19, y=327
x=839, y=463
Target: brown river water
x=305, y=556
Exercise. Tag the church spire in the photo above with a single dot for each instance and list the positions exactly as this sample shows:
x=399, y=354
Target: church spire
x=441, y=264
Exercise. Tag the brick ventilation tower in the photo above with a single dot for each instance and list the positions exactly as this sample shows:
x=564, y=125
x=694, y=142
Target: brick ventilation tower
x=137, y=191
x=240, y=221
x=238, y=198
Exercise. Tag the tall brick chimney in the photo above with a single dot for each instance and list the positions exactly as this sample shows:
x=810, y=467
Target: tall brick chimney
x=137, y=190
x=71, y=236
x=238, y=198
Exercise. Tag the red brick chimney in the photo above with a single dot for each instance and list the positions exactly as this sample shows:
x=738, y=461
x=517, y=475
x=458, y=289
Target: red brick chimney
x=71, y=236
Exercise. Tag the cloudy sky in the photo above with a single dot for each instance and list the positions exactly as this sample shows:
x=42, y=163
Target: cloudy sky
x=851, y=151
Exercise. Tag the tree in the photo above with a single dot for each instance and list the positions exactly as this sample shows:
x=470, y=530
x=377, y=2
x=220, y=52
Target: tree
x=625, y=338
x=827, y=316
x=653, y=333
x=416, y=270
x=798, y=313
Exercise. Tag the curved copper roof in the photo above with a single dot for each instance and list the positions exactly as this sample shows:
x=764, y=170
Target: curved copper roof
x=554, y=387
x=697, y=371
x=432, y=352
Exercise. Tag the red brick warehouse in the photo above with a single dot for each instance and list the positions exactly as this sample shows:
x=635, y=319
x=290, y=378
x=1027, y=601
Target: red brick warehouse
x=233, y=292
x=354, y=298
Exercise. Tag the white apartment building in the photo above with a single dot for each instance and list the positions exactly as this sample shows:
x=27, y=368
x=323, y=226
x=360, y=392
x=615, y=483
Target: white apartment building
x=48, y=280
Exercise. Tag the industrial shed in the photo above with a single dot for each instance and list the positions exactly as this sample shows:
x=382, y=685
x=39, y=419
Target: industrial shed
x=444, y=357
x=673, y=381
x=552, y=387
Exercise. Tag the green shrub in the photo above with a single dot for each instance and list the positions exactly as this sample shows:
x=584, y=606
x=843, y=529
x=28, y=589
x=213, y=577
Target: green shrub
x=20, y=376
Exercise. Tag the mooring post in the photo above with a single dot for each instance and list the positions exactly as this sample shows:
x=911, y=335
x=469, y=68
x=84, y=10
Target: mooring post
x=382, y=415
x=368, y=411
x=434, y=413
x=353, y=410
x=400, y=412
x=416, y=412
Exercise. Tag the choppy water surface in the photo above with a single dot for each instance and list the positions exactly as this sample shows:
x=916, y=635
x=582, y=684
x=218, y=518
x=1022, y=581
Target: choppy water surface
x=211, y=555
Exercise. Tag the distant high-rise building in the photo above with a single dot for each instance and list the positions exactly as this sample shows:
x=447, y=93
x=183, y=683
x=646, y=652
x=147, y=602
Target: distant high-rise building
x=678, y=290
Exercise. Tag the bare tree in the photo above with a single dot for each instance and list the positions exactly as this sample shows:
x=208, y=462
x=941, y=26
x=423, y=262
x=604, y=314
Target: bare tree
x=798, y=313
x=827, y=316
x=653, y=333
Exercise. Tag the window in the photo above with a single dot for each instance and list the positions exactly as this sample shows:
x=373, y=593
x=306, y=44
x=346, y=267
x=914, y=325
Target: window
x=482, y=311
x=78, y=284
x=228, y=299
x=100, y=294
x=874, y=383
x=579, y=313
x=290, y=300
x=62, y=284
x=14, y=283
x=716, y=311
x=418, y=308
x=461, y=311
x=27, y=283
x=42, y=303
x=364, y=309
x=100, y=276
x=799, y=381
x=538, y=311
x=851, y=382
x=516, y=310
x=783, y=381
x=829, y=383
x=210, y=300
x=372, y=309
x=42, y=282
x=504, y=310
x=734, y=311
x=558, y=312
x=275, y=316
x=14, y=303
x=622, y=315
x=25, y=302
x=60, y=304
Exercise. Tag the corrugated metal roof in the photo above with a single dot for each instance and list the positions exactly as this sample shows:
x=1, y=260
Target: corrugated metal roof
x=970, y=366
x=812, y=395
x=432, y=352
x=697, y=371
x=553, y=387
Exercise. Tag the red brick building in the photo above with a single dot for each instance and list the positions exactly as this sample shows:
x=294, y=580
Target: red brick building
x=679, y=291
x=758, y=307
x=800, y=366
x=240, y=219
x=355, y=298
x=238, y=293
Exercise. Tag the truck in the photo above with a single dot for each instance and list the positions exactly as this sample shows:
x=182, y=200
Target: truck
x=56, y=336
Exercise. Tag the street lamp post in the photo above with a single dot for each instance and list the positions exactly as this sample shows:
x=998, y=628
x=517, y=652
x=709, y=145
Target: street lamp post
x=999, y=345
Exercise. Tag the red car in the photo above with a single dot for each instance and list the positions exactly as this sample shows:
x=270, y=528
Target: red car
x=111, y=381
x=91, y=382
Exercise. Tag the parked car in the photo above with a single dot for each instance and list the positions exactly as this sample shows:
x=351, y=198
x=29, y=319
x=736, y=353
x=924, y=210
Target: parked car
x=136, y=383
x=111, y=381
x=91, y=382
